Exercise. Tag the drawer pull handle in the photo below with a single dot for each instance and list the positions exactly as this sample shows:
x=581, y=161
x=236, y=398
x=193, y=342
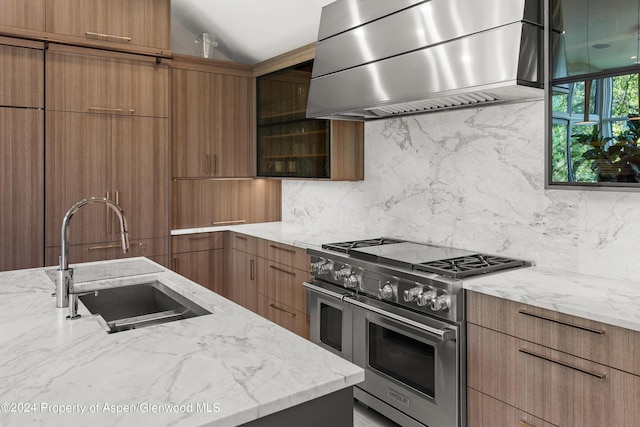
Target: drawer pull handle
x=283, y=249
x=288, y=313
x=566, y=365
x=560, y=322
x=97, y=248
x=241, y=237
x=108, y=110
x=252, y=269
x=106, y=37
x=233, y=221
x=281, y=270
x=523, y=423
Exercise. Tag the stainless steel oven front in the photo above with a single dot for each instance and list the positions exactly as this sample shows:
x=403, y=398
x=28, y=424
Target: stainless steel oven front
x=412, y=364
x=331, y=319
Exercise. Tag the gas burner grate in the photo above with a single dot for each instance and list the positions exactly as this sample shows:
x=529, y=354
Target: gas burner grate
x=469, y=265
x=345, y=247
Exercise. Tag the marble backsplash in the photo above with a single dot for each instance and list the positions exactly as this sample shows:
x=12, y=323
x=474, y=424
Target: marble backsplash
x=474, y=179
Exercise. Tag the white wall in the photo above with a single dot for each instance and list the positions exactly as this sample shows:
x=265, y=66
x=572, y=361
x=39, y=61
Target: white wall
x=474, y=179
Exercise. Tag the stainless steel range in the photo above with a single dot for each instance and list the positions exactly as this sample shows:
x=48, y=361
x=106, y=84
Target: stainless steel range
x=396, y=308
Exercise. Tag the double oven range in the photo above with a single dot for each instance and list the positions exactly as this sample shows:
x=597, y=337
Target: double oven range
x=396, y=309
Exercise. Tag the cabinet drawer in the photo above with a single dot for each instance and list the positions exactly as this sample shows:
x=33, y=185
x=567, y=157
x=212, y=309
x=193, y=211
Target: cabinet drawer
x=288, y=255
x=109, y=250
x=282, y=283
x=293, y=320
x=599, y=342
x=245, y=243
x=85, y=81
x=485, y=411
x=557, y=387
x=197, y=242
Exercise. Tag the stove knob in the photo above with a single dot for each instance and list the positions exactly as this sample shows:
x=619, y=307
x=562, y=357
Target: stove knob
x=321, y=267
x=351, y=282
x=441, y=303
x=386, y=292
x=425, y=298
x=411, y=294
x=345, y=271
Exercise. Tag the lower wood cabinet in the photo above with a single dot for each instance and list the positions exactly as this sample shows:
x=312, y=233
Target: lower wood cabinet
x=200, y=257
x=555, y=385
x=266, y=277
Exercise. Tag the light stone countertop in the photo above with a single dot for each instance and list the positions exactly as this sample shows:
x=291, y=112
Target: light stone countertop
x=223, y=369
x=615, y=302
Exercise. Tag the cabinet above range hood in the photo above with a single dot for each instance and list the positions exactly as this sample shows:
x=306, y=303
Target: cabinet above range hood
x=381, y=58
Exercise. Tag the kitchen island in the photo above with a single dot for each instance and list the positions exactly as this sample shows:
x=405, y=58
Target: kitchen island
x=228, y=368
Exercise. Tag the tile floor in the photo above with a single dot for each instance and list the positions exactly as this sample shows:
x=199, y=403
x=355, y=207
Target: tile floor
x=365, y=417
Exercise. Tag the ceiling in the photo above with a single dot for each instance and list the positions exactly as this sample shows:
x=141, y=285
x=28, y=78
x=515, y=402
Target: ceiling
x=247, y=31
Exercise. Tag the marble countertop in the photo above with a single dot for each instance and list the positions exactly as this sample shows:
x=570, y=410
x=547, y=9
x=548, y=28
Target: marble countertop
x=222, y=369
x=614, y=302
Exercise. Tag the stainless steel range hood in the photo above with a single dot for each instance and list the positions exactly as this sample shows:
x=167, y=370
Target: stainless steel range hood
x=381, y=58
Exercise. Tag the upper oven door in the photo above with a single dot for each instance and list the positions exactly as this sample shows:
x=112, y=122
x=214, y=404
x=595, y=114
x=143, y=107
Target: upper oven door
x=411, y=361
x=331, y=319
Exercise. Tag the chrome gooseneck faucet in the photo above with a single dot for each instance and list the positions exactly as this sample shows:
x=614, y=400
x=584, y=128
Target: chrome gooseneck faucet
x=66, y=296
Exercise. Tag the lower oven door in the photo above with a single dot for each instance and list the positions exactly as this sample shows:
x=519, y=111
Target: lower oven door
x=411, y=362
x=330, y=319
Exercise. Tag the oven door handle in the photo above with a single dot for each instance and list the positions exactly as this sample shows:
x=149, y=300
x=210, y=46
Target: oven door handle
x=323, y=291
x=441, y=334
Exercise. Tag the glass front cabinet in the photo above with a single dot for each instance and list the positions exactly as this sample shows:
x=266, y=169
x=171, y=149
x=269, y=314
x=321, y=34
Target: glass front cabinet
x=291, y=146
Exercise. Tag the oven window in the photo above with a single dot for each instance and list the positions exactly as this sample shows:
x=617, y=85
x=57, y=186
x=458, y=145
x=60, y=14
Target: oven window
x=409, y=361
x=331, y=326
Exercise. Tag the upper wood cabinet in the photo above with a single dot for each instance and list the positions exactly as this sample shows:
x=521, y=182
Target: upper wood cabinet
x=23, y=14
x=90, y=81
x=212, y=120
x=288, y=144
x=122, y=23
x=22, y=71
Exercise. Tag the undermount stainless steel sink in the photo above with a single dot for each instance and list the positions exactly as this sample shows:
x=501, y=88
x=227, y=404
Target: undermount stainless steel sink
x=136, y=306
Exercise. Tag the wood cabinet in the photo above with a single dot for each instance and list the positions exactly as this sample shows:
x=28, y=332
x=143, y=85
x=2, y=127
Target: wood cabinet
x=289, y=144
x=101, y=145
x=22, y=14
x=21, y=154
x=205, y=203
x=138, y=23
x=201, y=257
x=266, y=277
x=542, y=363
x=212, y=120
x=243, y=270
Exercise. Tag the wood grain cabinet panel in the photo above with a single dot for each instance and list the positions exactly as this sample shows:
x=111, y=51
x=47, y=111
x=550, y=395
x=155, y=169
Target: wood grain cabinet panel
x=596, y=341
x=283, y=283
x=22, y=70
x=90, y=81
x=22, y=195
x=144, y=23
x=280, y=314
x=23, y=14
x=201, y=257
x=212, y=121
x=243, y=277
x=557, y=387
x=485, y=411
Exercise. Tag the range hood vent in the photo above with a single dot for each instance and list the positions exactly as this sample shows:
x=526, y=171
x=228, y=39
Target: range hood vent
x=381, y=58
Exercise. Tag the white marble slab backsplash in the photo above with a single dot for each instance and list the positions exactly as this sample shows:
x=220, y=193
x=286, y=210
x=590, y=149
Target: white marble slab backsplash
x=474, y=178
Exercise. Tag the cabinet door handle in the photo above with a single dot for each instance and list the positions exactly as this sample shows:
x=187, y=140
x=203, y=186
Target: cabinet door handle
x=561, y=322
x=252, y=269
x=291, y=251
x=207, y=164
x=107, y=37
x=566, y=365
x=241, y=237
x=288, y=313
x=174, y=264
x=101, y=247
x=107, y=110
x=281, y=270
x=107, y=215
x=523, y=423
x=215, y=164
x=230, y=222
